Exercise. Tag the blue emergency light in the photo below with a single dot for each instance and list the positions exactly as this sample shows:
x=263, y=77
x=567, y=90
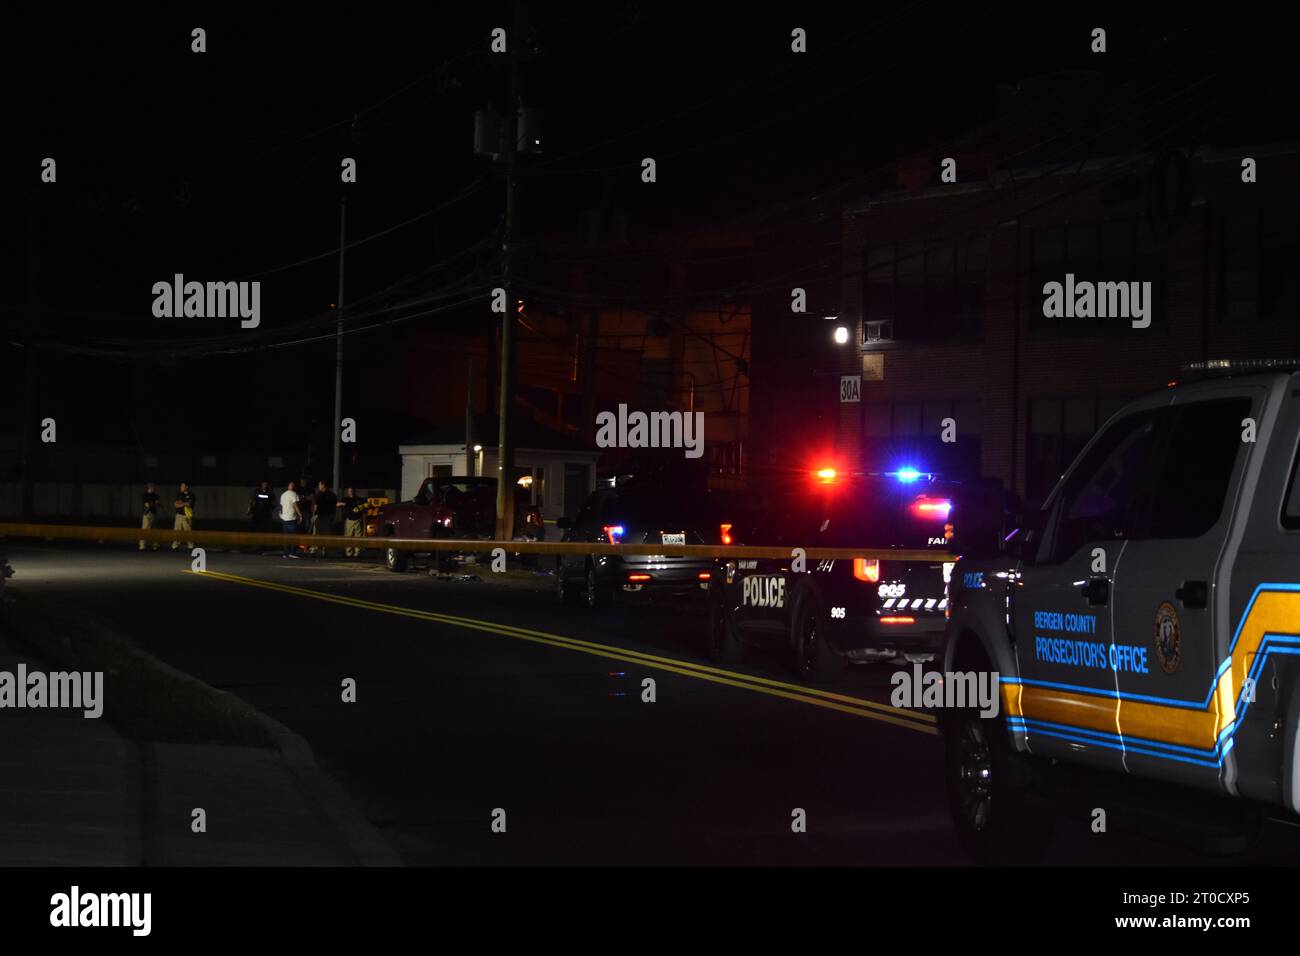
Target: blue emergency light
x=908, y=475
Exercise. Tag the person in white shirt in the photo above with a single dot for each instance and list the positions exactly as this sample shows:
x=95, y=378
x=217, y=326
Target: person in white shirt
x=290, y=515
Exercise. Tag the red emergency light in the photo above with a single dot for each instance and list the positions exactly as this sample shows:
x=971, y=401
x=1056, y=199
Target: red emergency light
x=933, y=508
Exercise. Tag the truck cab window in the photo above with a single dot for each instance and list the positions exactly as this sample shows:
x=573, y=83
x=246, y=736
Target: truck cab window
x=1291, y=505
x=1195, y=467
x=1105, y=498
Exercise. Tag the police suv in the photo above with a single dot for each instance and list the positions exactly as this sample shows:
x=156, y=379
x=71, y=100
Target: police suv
x=1146, y=624
x=824, y=611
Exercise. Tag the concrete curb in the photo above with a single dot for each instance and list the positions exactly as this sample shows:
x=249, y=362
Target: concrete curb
x=361, y=839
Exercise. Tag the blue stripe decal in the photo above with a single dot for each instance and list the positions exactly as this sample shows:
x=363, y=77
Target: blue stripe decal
x=1270, y=643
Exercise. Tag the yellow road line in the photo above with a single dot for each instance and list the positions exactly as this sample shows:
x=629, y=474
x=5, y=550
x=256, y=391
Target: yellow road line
x=808, y=695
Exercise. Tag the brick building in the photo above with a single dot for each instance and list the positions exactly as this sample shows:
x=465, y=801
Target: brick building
x=944, y=286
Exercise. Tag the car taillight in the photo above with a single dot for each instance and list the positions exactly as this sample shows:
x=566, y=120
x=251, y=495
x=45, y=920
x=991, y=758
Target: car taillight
x=947, y=532
x=932, y=508
x=866, y=569
x=613, y=533
x=726, y=533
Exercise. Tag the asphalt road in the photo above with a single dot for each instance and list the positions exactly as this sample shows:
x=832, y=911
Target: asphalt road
x=486, y=694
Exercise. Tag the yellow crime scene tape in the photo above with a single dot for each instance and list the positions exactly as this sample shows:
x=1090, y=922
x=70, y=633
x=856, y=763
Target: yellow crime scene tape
x=243, y=539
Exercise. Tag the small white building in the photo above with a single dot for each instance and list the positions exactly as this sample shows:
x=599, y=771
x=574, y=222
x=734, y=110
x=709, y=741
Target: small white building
x=559, y=479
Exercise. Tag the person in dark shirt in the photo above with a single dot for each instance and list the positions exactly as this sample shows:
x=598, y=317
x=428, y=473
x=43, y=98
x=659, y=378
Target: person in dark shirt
x=354, y=517
x=149, y=511
x=261, y=505
x=324, y=508
x=305, y=506
x=184, y=506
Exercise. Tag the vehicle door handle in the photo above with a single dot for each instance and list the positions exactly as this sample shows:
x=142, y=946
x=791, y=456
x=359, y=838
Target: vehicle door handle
x=1096, y=590
x=1193, y=594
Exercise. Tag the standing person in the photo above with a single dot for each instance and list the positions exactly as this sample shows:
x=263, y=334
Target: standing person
x=354, y=514
x=260, y=506
x=290, y=518
x=184, y=505
x=149, y=512
x=324, y=509
x=304, y=510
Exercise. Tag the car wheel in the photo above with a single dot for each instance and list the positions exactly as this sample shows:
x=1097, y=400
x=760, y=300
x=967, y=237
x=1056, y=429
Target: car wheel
x=988, y=784
x=814, y=660
x=723, y=645
x=593, y=595
x=564, y=592
x=395, y=560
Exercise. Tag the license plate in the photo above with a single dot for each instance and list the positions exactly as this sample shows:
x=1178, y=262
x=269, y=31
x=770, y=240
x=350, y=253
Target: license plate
x=674, y=538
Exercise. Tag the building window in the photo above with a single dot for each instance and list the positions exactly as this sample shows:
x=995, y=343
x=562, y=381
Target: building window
x=911, y=434
x=927, y=290
x=656, y=382
x=1116, y=251
x=1257, y=275
x=725, y=458
x=1058, y=429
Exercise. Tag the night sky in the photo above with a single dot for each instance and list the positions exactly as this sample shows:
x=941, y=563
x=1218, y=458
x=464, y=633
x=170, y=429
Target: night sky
x=225, y=165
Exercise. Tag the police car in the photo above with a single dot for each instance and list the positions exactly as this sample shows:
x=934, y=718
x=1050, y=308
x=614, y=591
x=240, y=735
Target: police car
x=824, y=611
x=1146, y=624
x=651, y=510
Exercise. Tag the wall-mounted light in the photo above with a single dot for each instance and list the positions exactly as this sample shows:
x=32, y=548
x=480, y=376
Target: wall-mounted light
x=841, y=334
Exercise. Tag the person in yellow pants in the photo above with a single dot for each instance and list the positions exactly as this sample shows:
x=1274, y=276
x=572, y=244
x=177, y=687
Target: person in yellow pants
x=354, y=515
x=184, y=505
x=149, y=511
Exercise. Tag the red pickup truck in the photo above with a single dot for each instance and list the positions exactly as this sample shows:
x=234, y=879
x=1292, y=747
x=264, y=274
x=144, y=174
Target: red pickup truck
x=459, y=508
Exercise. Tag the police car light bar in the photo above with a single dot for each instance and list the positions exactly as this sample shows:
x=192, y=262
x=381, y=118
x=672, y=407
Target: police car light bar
x=1240, y=366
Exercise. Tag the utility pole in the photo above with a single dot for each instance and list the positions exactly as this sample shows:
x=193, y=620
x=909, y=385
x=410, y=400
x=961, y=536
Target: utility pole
x=469, y=416
x=31, y=378
x=505, y=433
x=338, y=347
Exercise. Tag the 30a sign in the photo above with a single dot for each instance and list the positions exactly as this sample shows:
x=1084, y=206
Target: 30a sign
x=850, y=388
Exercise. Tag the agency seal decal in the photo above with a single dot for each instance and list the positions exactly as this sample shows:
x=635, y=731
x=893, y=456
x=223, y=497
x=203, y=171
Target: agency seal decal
x=1169, y=638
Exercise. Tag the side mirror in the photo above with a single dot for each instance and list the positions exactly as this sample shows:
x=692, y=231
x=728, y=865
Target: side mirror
x=1030, y=519
x=1027, y=526
x=564, y=522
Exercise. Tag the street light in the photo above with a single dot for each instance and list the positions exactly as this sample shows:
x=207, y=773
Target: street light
x=841, y=334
